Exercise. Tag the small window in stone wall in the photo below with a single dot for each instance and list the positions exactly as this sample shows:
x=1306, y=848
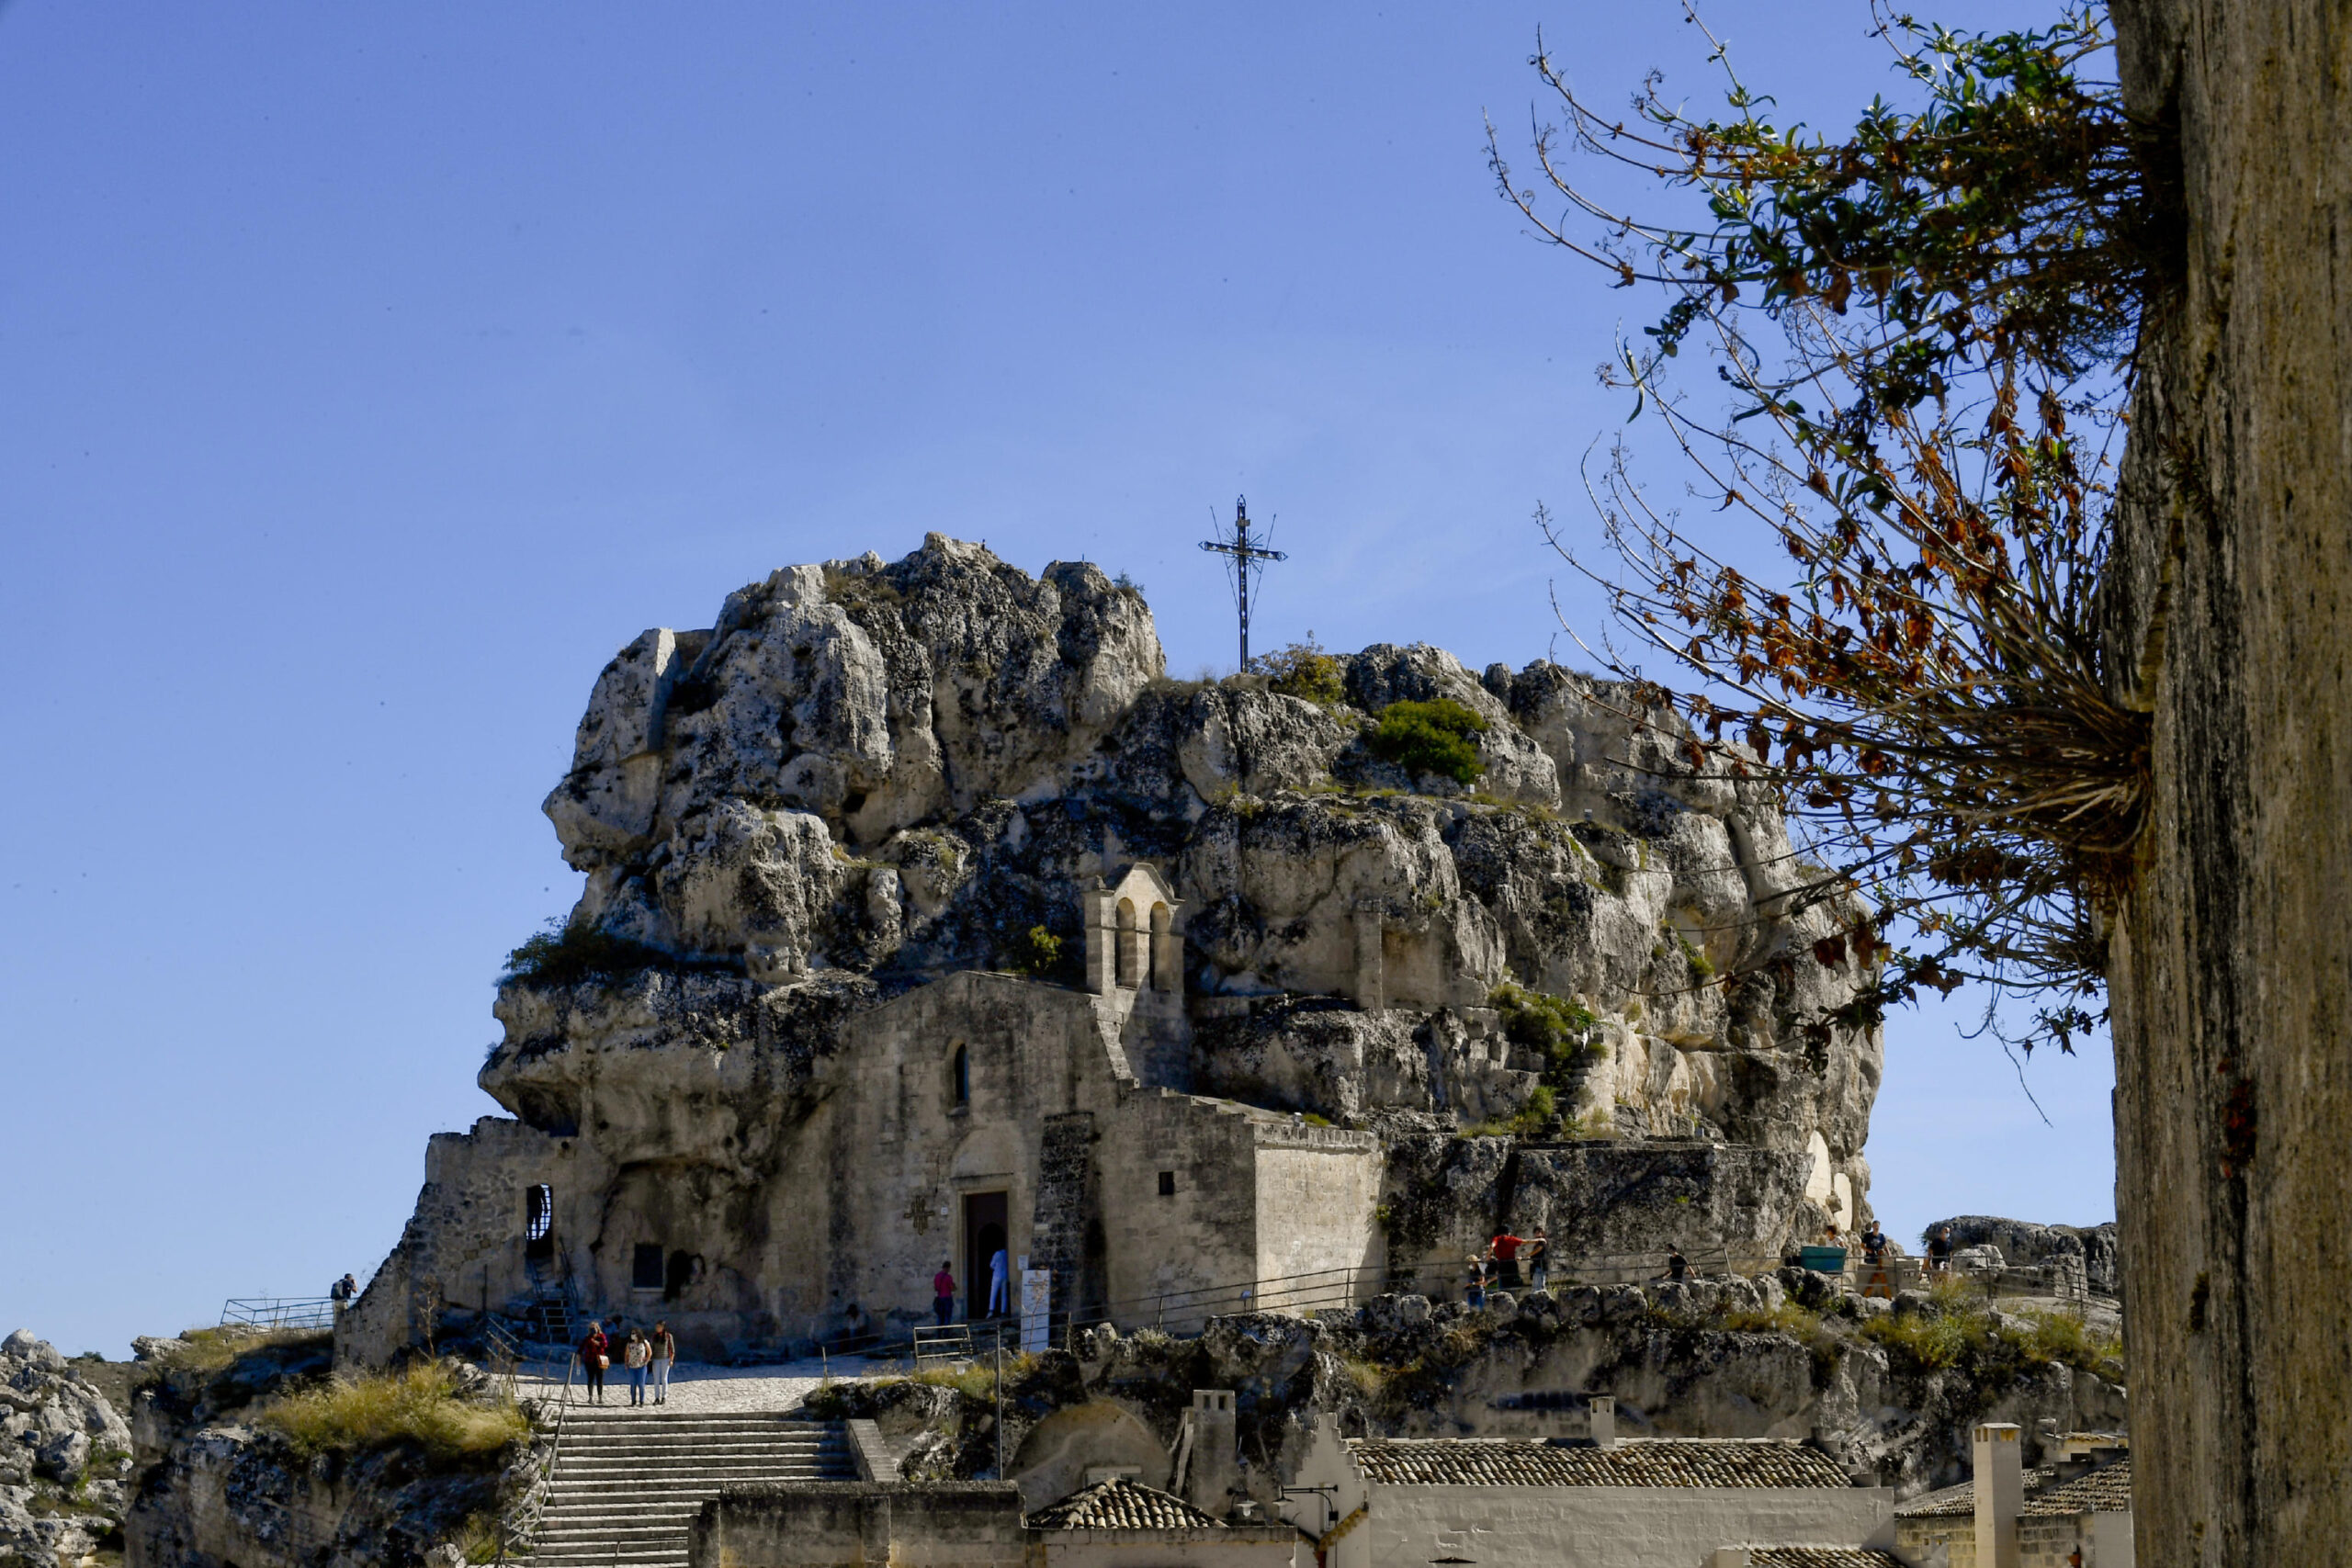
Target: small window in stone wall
x=645, y=1267
x=960, y=1073
x=1168, y=1184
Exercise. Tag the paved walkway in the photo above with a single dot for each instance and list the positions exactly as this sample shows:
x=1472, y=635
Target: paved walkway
x=695, y=1387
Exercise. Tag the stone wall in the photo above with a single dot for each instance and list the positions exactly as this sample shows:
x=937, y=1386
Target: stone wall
x=1604, y=1203
x=944, y=1525
x=973, y=1524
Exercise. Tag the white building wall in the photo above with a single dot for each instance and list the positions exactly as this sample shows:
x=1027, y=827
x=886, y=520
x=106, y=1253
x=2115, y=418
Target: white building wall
x=1318, y=1197
x=1610, y=1527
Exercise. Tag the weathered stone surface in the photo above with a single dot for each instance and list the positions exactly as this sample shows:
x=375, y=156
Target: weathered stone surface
x=214, y=1487
x=2088, y=1249
x=817, y=832
x=1682, y=1361
x=64, y=1455
x=2232, y=627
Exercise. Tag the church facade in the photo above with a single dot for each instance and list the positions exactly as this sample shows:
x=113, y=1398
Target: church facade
x=981, y=1111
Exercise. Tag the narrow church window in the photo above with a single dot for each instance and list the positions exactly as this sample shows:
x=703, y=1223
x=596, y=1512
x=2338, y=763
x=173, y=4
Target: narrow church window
x=645, y=1267
x=1168, y=1184
x=1162, y=980
x=960, y=1070
x=1127, y=953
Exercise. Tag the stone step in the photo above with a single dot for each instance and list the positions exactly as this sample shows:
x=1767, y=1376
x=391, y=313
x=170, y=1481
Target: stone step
x=618, y=1485
x=671, y=1458
x=685, y=1451
x=657, y=1532
x=661, y=1421
x=716, y=1435
x=776, y=1453
x=627, y=1484
x=706, y=1444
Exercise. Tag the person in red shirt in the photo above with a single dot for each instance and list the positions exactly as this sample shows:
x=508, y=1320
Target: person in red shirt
x=595, y=1352
x=1504, y=1251
x=943, y=1292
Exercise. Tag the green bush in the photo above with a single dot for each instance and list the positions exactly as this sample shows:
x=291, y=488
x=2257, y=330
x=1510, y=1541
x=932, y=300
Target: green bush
x=421, y=1404
x=563, y=954
x=1040, y=952
x=1304, y=669
x=1553, y=1025
x=1430, y=738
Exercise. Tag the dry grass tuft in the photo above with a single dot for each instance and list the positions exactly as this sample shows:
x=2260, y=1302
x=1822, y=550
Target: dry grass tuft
x=421, y=1405
x=214, y=1349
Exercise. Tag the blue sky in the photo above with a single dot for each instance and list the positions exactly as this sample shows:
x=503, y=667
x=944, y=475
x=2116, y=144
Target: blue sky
x=369, y=376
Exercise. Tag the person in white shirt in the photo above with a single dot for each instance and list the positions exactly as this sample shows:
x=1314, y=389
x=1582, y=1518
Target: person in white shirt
x=998, y=1291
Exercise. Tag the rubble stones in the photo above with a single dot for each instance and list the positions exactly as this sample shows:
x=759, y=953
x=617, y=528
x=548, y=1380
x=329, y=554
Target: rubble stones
x=64, y=1453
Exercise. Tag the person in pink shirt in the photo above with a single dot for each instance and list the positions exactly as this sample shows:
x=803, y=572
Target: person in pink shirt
x=943, y=1291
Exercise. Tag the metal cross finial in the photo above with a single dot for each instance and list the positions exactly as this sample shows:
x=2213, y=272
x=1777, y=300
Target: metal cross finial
x=1244, y=556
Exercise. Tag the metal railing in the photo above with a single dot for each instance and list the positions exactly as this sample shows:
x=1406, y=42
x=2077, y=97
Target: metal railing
x=288, y=1312
x=520, y=1523
x=279, y=1312
x=950, y=1342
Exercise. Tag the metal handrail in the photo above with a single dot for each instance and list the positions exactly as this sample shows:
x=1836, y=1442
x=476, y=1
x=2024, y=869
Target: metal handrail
x=279, y=1312
x=522, y=1523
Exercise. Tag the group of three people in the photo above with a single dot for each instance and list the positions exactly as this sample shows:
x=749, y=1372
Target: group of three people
x=642, y=1355
x=1498, y=1264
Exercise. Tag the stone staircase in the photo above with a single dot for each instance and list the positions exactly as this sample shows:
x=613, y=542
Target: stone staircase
x=629, y=1480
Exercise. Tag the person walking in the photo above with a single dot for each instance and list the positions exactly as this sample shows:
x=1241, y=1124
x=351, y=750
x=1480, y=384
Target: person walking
x=636, y=1353
x=942, y=1295
x=595, y=1355
x=1539, y=1260
x=1474, y=1291
x=665, y=1352
x=1000, y=1284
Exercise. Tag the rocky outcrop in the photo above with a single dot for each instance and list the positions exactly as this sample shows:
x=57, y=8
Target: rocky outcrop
x=65, y=1458
x=2086, y=1250
x=871, y=774
x=1724, y=1357
x=215, y=1488
x=867, y=779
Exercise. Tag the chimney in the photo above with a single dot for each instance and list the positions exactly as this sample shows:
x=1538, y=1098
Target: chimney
x=1604, y=1419
x=2000, y=1493
x=1213, y=1477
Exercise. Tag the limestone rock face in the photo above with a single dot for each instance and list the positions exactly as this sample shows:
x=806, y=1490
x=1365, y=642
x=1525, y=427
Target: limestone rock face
x=215, y=1487
x=2086, y=1249
x=60, y=1438
x=899, y=769
x=864, y=776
